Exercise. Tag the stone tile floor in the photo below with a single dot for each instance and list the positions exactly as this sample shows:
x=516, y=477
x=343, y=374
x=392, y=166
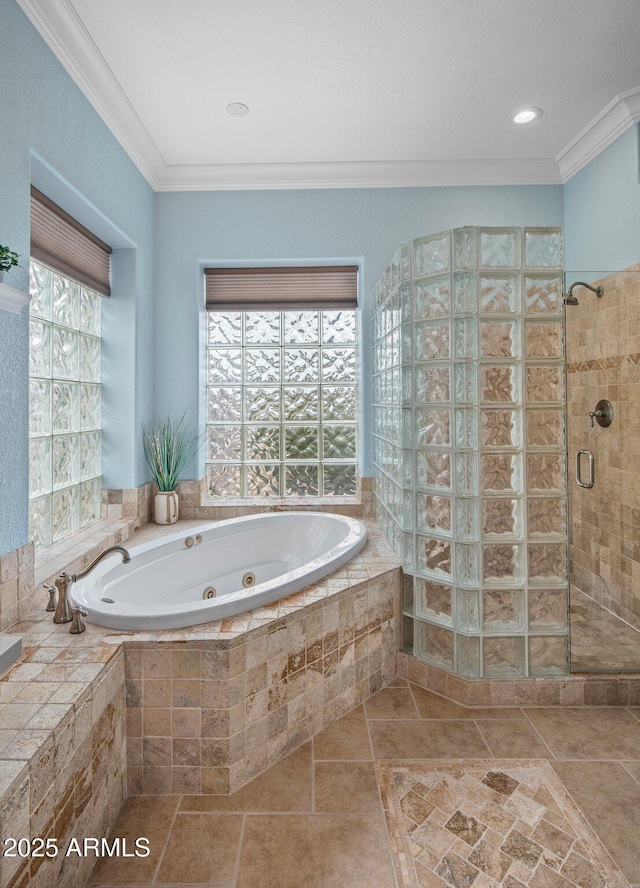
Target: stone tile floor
x=315, y=819
x=601, y=641
x=492, y=824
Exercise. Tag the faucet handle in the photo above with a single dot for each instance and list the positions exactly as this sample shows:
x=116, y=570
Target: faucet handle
x=77, y=623
x=603, y=414
x=52, y=590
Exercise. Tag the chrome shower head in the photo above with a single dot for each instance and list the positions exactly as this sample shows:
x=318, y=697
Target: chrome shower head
x=570, y=299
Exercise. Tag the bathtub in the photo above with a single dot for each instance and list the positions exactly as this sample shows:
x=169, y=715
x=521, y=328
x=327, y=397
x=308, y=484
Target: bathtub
x=217, y=570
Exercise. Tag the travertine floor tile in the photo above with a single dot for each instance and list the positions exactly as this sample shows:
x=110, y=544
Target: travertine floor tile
x=391, y=703
x=346, y=739
x=140, y=816
x=508, y=824
x=398, y=683
x=202, y=847
x=588, y=733
x=286, y=786
x=318, y=851
x=512, y=739
x=346, y=787
x=314, y=819
x=610, y=801
x=433, y=706
x=427, y=740
x=634, y=769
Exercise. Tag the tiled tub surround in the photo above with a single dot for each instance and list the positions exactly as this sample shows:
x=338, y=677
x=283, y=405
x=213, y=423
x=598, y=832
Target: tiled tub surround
x=469, y=439
x=62, y=754
x=16, y=584
x=603, y=361
x=211, y=706
x=124, y=511
x=128, y=502
x=205, y=716
x=251, y=561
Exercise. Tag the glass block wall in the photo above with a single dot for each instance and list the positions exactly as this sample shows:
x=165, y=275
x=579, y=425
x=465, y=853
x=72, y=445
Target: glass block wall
x=281, y=404
x=469, y=447
x=65, y=442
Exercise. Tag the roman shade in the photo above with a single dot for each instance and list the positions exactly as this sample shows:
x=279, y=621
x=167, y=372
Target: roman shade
x=272, y=289
x=61, y=242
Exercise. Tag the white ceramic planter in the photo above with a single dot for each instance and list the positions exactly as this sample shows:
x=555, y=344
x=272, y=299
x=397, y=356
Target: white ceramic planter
x=166, y=507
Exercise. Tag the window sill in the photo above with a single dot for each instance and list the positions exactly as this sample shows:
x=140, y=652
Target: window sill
x=272, y=502
x=12, y=300
x=71, y=553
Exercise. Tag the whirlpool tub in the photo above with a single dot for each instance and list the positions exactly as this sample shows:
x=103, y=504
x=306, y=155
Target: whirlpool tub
x=218, y=569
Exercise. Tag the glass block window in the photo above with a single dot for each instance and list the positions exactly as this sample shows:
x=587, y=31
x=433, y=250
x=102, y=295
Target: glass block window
x=65, y=442
x=281, y=403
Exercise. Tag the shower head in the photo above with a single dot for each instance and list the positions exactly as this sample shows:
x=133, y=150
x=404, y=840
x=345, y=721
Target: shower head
x=570, y=299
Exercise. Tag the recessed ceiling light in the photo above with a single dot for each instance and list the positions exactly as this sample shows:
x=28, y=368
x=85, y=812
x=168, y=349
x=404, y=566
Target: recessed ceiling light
x=525, y=115
x=237, y=109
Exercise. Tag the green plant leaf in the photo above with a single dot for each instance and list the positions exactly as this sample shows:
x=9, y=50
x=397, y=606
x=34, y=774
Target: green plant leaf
x=169, y=445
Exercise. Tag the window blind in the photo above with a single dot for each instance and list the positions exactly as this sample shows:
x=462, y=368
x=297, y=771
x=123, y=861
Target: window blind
x=267, y=289
x=61, y=242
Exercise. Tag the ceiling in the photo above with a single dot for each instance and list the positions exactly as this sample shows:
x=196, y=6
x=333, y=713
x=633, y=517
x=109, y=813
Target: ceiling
x=352, y=93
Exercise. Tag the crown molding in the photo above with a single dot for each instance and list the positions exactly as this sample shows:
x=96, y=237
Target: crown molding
x=619, y=115
x=61, y=27
x=358, y=174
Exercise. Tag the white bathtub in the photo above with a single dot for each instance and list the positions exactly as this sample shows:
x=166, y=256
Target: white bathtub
x=164, y=584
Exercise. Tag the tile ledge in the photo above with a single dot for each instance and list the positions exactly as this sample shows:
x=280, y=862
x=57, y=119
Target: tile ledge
x=58, y=557
x=278, y=502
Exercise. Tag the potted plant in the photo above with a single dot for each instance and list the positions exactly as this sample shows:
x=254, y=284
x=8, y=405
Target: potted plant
x=8, y=259
x=169, y=445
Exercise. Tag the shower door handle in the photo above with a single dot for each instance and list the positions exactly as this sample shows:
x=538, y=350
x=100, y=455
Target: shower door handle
x=592, y=471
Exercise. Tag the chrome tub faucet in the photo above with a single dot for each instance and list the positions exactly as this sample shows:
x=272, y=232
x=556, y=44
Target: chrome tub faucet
x=64, y=612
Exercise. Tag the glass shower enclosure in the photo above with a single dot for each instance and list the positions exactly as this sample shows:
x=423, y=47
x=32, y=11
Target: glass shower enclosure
x=469, y=445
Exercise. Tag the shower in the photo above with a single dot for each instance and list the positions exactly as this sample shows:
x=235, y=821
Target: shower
x=474, y=361
x=468, y=407
x=570, y=299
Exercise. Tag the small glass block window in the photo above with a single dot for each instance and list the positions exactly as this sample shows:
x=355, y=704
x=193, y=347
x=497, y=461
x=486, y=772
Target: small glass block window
x=65, y=439
x=281, y=403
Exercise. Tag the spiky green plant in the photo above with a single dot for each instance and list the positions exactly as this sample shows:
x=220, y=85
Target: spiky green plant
x=8, y=258
x=169, y=446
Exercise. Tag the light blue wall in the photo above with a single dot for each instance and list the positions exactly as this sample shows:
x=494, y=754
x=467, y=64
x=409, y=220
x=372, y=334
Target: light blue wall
x=51, y=133
x=602, y=209
x=55, y=139
x=196, y=228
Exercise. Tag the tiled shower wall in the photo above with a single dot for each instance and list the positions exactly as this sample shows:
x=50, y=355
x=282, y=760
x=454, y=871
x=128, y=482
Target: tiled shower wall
x=603, y=361
x=469, y=441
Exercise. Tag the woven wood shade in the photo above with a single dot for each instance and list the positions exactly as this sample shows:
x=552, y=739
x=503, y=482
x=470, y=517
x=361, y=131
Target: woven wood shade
x=267, y=289
x=67, y=246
